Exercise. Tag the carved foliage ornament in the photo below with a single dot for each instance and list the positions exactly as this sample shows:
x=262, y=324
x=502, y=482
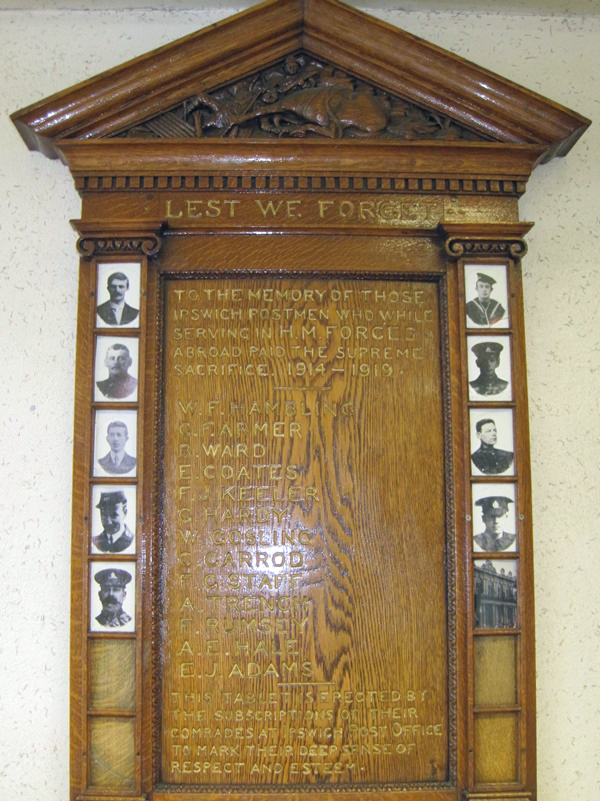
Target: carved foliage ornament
x=300, y=97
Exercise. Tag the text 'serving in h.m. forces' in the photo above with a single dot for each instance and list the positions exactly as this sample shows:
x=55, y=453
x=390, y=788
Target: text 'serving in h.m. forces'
x=295, y=420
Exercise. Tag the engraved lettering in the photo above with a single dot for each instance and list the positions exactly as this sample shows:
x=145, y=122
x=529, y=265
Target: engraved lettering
x=284, y=400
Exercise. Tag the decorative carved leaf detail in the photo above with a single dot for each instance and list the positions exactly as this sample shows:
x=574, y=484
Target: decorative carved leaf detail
x=300, y=97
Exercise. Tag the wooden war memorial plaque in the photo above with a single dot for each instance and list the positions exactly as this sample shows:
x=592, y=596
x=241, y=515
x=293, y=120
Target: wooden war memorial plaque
x=302, y=555
x=299, y=415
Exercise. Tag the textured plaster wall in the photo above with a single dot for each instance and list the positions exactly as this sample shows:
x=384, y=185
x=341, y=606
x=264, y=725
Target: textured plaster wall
x=42, y=52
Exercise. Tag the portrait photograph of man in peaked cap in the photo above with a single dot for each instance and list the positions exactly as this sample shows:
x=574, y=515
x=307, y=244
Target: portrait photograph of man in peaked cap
x=118, y=281
x=485, y=358
x=117, y=358
x=113, y=580
x=116, y=536
x=486, y=310
x=488, y=427
x=494, y=514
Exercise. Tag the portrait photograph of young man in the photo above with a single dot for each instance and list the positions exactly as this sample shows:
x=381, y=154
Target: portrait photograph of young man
x=119, y=294
x=487, y=296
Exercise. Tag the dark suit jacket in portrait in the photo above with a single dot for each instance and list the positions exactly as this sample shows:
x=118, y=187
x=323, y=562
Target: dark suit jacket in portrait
x=105, y=312
x=123, y=542
x=118, y=388
x=126, y=466
x=492, y=461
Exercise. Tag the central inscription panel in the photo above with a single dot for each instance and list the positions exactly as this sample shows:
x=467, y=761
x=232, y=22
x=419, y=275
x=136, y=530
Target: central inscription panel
x=304, y=593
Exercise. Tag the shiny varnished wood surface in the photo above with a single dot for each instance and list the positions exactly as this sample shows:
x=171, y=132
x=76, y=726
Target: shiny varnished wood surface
x=304, y=540
x=392, y=59
x=385, y=573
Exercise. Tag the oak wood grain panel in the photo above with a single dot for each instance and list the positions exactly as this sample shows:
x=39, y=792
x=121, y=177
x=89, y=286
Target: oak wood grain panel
x=496, y=748
x=495, y=671
x=112, y=674
x=112, y=749
x=275, y=252
x=304, y=538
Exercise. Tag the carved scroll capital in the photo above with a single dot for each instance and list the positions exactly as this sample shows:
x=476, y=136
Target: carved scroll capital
x=118, y=238
x=458, y=247
x=481, y=241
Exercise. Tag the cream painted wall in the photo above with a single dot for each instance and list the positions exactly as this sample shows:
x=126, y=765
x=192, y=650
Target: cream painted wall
x=42, y=52
x=560, y=7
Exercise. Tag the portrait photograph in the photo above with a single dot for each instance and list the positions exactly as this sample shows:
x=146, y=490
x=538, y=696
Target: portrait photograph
x=116, y=368
x=489, y=368
x=495, y=583
x=494, y=518
x=486, y=296
x=113, y=515
x=112, y=596
x=115, y=440
x=118, y=295
x=492, y=442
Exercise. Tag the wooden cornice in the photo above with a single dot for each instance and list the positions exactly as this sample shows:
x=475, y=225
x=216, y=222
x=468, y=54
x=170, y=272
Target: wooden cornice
x=152, y=83
x=470, y=160
x=433, y=77
x=393, y=60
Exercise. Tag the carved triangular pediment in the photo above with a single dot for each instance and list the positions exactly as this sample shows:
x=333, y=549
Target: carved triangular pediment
x=202, y=86
x=300, y=96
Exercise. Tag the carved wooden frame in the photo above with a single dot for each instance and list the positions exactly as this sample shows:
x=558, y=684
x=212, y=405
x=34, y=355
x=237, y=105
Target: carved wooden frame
x=166, y=791
x=460, y=208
